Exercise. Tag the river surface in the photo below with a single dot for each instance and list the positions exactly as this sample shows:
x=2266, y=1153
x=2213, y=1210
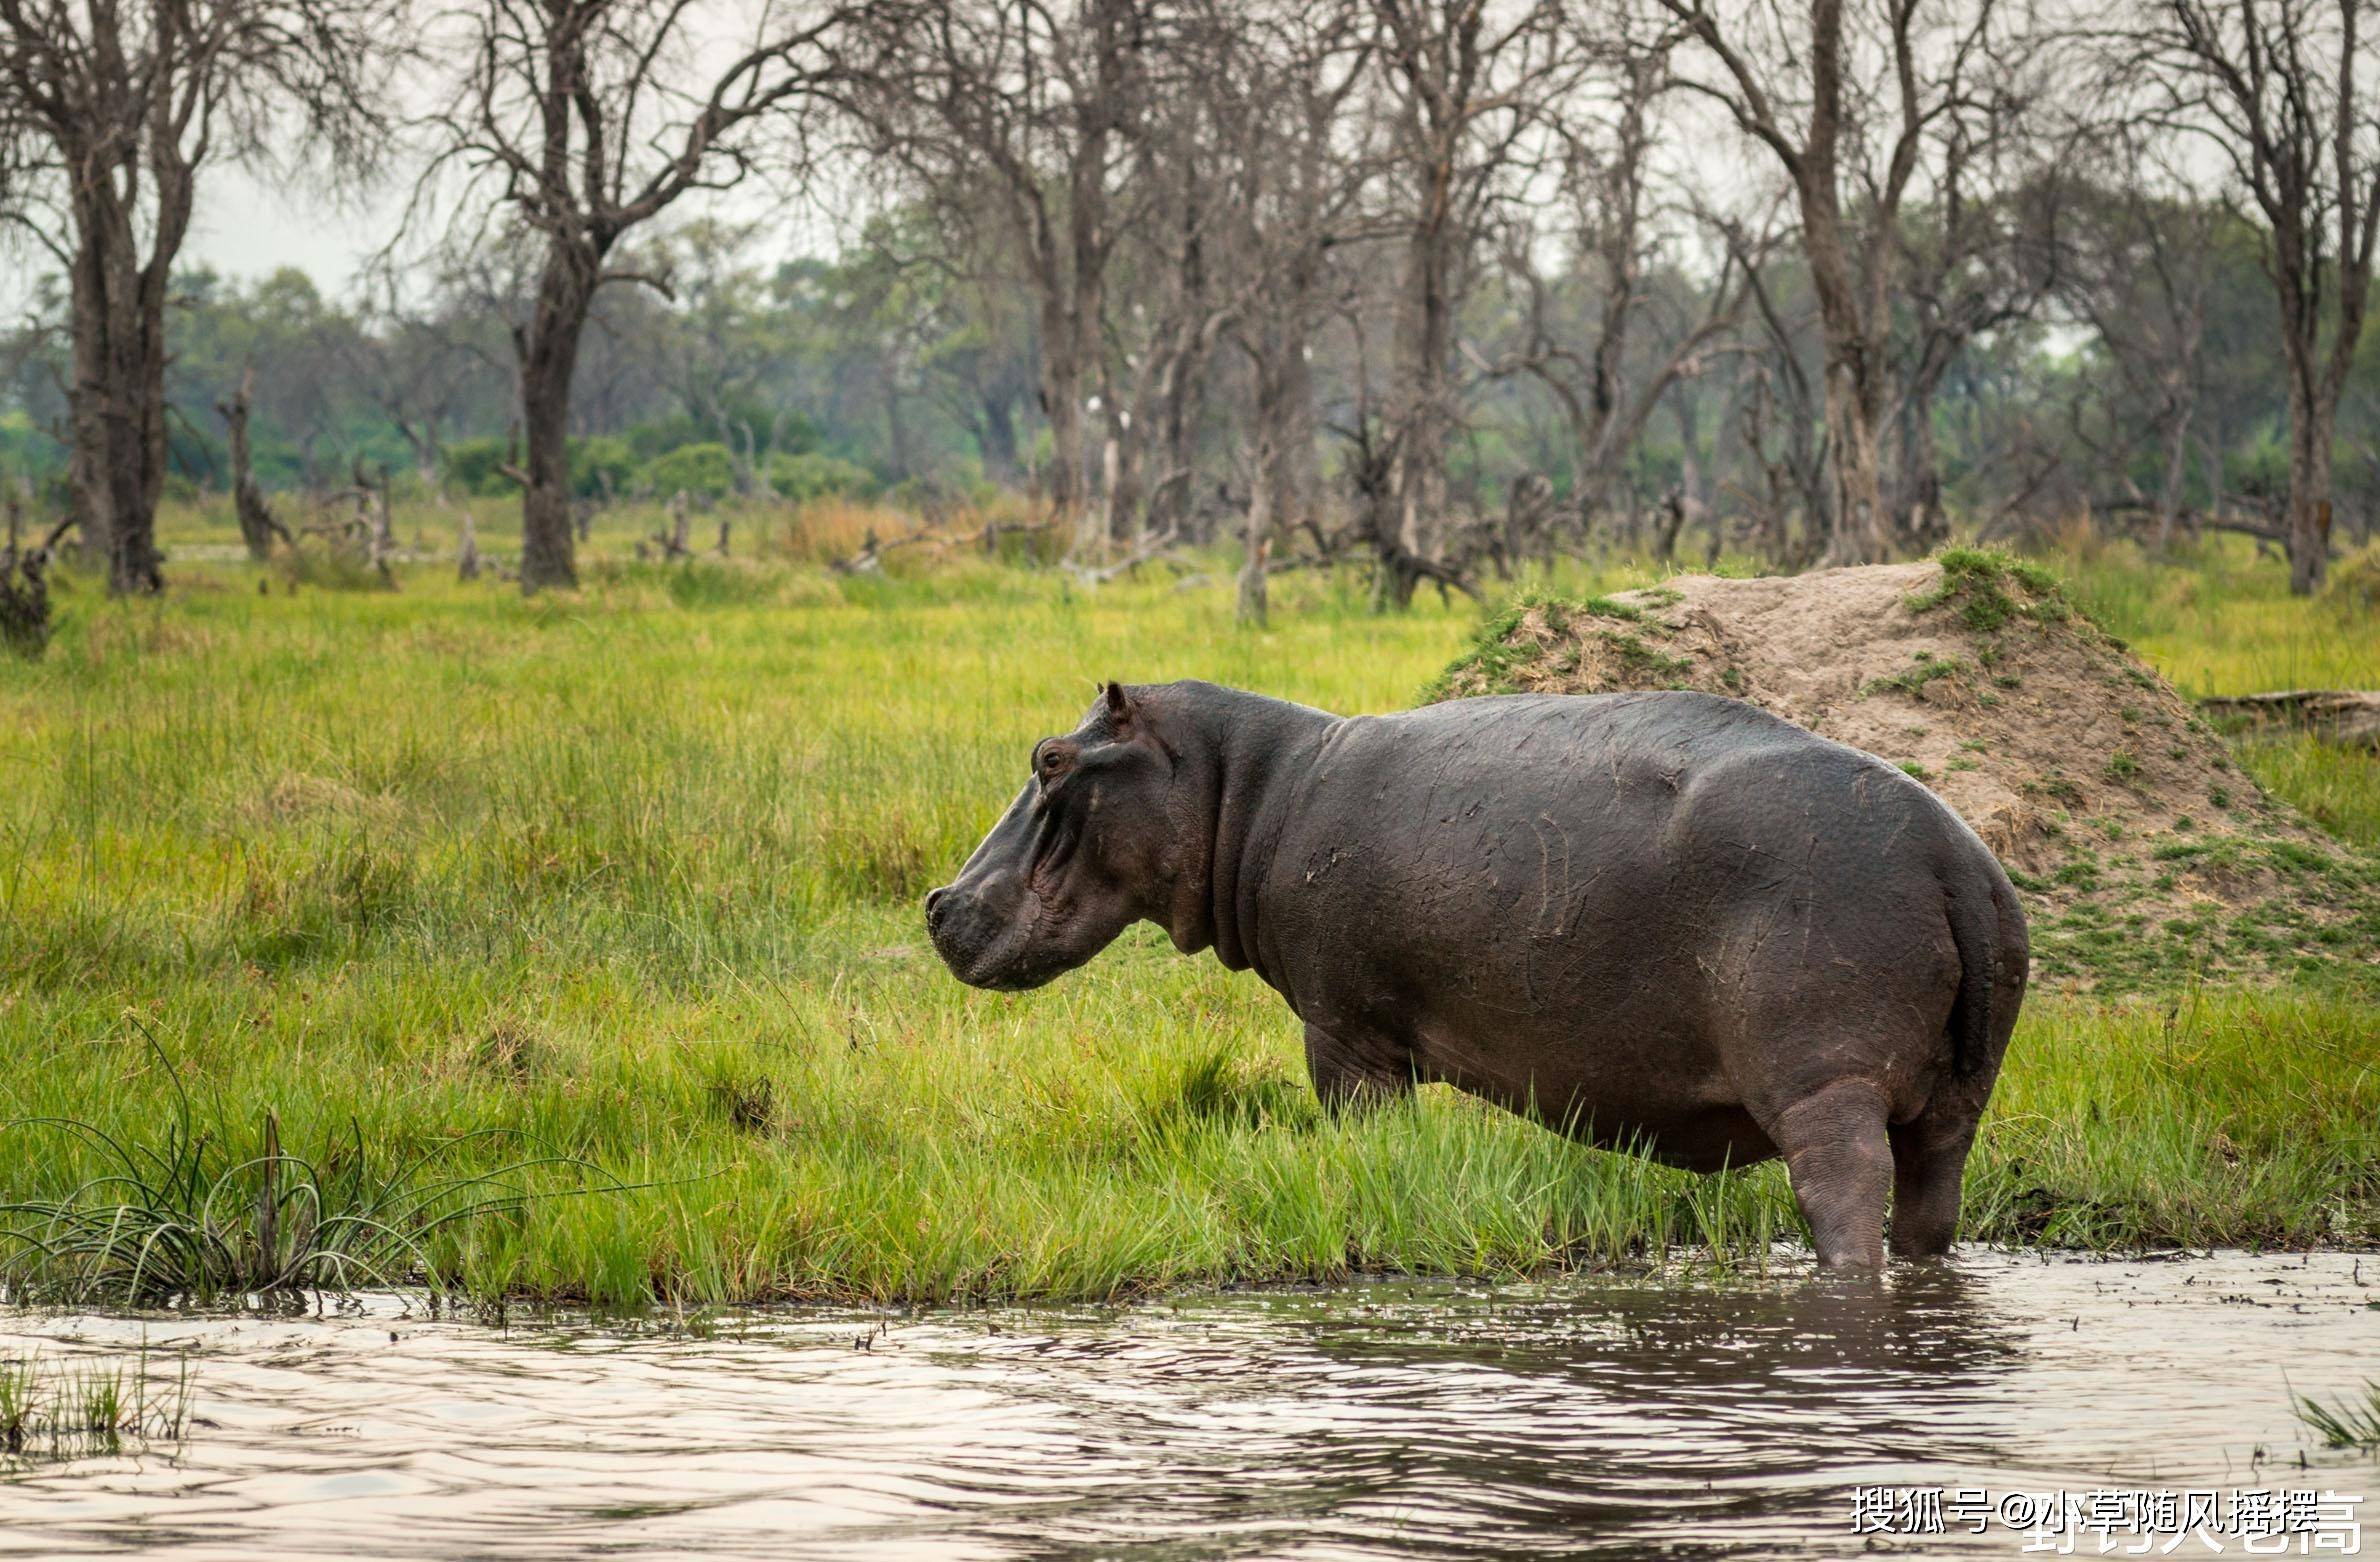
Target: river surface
x=1584, y=1415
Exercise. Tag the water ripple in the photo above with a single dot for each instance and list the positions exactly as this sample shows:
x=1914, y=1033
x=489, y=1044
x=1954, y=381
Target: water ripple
x=1390, y=1419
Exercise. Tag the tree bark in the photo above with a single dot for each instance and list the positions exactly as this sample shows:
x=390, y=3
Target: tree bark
x=2170, y=487
x=1917, y=516
x=1424, y=339
x=1861, y=524
x=1297, y=468
x=549, y=357
x=2310, y=430
x=1257, y=542
x=117, y=400
x=1062, y=403
x=996, y=436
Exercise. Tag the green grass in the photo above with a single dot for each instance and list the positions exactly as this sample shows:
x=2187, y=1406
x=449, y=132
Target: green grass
x=84, y=1406
x=2353, y=1422
x=2222, y=621
x=629, y=876
x=205, y=1216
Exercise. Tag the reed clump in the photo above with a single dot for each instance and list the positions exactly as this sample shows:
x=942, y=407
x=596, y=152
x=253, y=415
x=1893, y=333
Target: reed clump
x=197, y=1216
x=52, y=1409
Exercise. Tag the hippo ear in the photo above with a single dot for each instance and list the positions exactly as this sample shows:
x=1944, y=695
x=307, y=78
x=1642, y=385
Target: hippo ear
x=1120, y=708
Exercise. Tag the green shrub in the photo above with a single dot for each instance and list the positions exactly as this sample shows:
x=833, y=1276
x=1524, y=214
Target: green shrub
x=703, y=471
x=474, y=466
x=811, y=475
x=601, y=467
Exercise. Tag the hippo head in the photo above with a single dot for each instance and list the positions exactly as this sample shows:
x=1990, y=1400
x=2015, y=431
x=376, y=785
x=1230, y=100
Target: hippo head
x=1090, y=846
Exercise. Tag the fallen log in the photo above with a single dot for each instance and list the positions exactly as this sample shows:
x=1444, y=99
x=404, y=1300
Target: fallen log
x=1155, y=546
x=870, y=558
x=2346, y=716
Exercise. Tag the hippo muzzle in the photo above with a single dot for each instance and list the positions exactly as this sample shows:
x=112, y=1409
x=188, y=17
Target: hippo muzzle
x=983, y=926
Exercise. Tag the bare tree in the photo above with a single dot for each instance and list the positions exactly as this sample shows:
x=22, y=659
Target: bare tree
x=1153, y=375
x=1284, y=87
x=1602, y=222
x=575, y=122
x=1781, y=416
x=2274, y=85
x=1017, y=115
x=2140, y=263
x=1863, y=110
x=423, y=365
x=258, y=527
x=113, y=108
x=1981, y=255
x=1466, y=86
x=724, y=346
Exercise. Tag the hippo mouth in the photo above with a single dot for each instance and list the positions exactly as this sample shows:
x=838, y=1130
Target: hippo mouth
x=1011, y=961
x=1008, y=961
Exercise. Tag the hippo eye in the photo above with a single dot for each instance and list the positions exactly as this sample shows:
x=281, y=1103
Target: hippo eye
x=1051, y=761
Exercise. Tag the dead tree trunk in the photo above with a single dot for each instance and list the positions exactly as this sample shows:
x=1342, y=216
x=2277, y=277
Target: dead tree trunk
x=467, y=550
x=672, y=539
x=2345, y=716
x=258, y=527
x=375, y=488
x=25, y=586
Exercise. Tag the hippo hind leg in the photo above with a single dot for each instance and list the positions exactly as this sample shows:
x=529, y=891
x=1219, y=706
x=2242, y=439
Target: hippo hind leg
x=1352, y=1068
x=1929, y=1159
x=1838, y=1154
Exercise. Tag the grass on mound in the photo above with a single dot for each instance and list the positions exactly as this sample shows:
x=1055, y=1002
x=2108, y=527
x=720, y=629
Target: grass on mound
x=630, y=875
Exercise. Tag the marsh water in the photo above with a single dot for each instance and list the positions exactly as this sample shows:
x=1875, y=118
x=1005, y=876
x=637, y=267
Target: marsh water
x=1585, y=1415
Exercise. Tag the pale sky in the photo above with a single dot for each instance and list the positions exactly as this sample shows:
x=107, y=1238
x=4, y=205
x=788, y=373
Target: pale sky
x=243, y=227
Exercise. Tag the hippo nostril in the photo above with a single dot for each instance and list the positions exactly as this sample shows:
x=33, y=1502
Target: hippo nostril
x=934, y=898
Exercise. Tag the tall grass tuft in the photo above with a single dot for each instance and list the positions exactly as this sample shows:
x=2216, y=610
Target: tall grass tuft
x=88, y=1407
x=2351, y=1423
x=197, y=1219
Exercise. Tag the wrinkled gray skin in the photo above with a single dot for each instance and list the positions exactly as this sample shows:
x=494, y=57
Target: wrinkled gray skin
x=1667, y=922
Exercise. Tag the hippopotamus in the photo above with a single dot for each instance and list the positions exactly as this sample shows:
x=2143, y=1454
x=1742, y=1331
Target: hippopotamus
x=1667, y=922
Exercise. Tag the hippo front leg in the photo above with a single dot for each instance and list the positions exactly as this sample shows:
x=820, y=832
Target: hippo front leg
x=1350, y=1067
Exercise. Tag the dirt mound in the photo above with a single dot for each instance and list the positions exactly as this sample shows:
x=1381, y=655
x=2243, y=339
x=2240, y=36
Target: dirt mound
x=2143, y=851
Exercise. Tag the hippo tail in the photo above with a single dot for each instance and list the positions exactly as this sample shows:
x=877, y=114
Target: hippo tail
x=1987, y=925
